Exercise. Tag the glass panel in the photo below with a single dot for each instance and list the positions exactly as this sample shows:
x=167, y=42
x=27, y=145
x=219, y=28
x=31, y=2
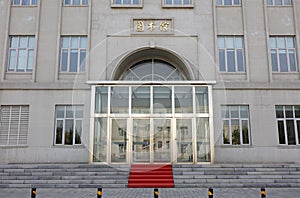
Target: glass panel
x=140, y=99
x=226, y=132
x=74, y=42
x=244, y=111
x=203, y=140
x=184, y=140
x=278, y=2
x=126, y=1
x=22, y=60
x=83, y=42
x=100, y=140
x=59, y=132
x=136, y=2
x=222, y=60
x=101, y=100
x=23, y=42
x=73, y=61
x=12, y=60
x=240, y=60
x=231, y=60
x=219, y=2
x=270, y=2
x=79, y=112
x=298, y=129
x=183, y=99
x=25, y=2
x=85, y=2
x=297, y=111
x=67, y=2
x=273, y=42
x=225, y=112
x=245, y=132
x=201, y=99
x=16, y=2
x=287, y=2
x=70, y=112
x=177, y=2
x=280, y=42
x=291, y=132
x=274, y=60
x=238, y=42
x=78, y=132
x=234, y=112
x=236, y=2
x=30, y=60
x=64, y=60
x=227, y=2
x=290, y=42
x=281, y=134
x=14, y=42
x=235, y=127
x=283, y=61
x=141, y=140
x=82, y=60
x=60, y=112
x=118, y=140
x=117, y=1
x=221, y=42
x=65, y=42
x=229, y=40
x=76, y=2
x=292, y=57
x=33, y=2
x=186, y=2
x=69, y=127
x=119, y=100
x=162, y=100
x=169, y=2
x=31, y=42
x=162, y=138
x=289, y=112
x=279, y=112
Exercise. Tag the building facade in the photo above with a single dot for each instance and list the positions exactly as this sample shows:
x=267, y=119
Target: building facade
x=149, y=81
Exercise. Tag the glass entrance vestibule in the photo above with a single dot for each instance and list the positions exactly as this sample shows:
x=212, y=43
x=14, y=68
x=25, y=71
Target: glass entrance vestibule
x=151, y=123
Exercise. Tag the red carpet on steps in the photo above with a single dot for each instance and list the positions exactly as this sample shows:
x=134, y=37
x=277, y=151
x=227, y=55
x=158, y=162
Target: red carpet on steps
x=151, y=176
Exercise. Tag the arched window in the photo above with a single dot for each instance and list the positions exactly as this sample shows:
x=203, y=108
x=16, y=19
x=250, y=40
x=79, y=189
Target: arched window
x=152, y=70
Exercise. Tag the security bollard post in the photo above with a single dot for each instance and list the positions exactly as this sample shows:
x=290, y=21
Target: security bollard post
x=155, y=193
x=99, y=193
x=210, y=193
x=263, y=193
x=33, y=192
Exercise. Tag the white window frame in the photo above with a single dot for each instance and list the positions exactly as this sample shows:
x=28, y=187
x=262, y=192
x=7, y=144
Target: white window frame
x=15, y=61
x=14, y=125
x=123, y=3
x=71, y=3
x=232, y=3
x=287, y=50
x=20, y=2
x=64, y=119
x=284, y=120
x=279, y=2
x=235, y=49
x=69, y=49
x=240, y=119
x=178, y=3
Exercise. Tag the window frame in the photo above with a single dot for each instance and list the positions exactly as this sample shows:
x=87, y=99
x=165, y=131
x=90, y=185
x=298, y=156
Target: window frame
x=17, y=50
x=180, y=5
x=113, y=4
x=222, y=3
x=74, y=125
x=283, y=3
x=284, y=119
x=69, y=49
x=287, y=54
x=240, y=119
x=23, y=116
x=72, y=3
x=235, y=49
x=31, y=3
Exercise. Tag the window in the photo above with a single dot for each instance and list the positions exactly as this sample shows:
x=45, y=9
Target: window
x=126, y=2
x=288, y=124
x=231, y=53
x=228, y=2
x=68, y=124
x=14, y=125
x=283, y=54
x=24, y=2
x=76, y=2
x=21, y=54
x=73, y=53
x=236, y=125
x=177, y=2
x=279, y=2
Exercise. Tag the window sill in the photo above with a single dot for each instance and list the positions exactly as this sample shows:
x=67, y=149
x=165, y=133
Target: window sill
x=77, y=146
x=178, y=6
x=76, y=6
x=126, y=6
x=27, y=6
x=228, y=6
x=272, y=6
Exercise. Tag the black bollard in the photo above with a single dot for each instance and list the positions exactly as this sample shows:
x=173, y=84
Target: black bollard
x=33, y=192
x=263, y=193
x=99, y=193
x=210, y=193
x=155, y=193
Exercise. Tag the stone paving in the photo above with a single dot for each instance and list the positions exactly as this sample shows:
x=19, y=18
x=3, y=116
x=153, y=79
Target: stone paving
x=148, y=192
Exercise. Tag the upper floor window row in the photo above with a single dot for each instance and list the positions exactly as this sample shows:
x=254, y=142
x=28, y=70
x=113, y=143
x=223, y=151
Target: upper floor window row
x=24, y=2
x=279, y=2
x=228, y=2
x=178, y=2
x=76, y=2
x=164, y=2
x=127, y=2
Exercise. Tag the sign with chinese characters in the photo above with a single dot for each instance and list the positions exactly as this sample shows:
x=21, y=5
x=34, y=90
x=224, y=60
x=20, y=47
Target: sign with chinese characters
x=152, y=26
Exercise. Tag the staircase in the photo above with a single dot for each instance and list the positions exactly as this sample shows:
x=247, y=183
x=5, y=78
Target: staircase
x=237, y=176
x=63, y=176
x=151, y=176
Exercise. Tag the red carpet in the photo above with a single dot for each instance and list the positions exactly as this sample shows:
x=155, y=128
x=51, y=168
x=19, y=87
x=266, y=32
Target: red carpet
x=151, y=176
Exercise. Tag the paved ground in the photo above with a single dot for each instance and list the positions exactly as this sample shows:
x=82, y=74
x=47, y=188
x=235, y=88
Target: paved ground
x=148, y=192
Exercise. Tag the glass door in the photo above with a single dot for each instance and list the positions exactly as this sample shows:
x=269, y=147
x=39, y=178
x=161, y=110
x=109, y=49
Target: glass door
x=184, y=140
x=162, y=140
x=119, y=140
x=141, y=141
